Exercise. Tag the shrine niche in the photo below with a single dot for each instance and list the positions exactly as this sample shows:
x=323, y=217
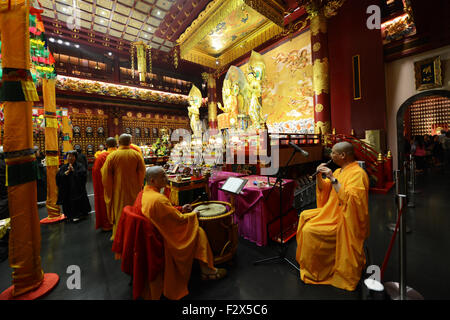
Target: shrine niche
x=101, y=132
x=235, y=97
x=137, y=132
x=89, y=132
x=76, y=131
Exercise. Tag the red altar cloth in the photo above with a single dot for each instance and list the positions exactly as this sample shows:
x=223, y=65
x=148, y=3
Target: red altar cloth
x=255, y=209
x=218, y=177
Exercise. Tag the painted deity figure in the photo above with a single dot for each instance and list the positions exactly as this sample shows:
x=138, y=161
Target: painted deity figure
x=195, y=101
x=254, y=108
x=254, y=78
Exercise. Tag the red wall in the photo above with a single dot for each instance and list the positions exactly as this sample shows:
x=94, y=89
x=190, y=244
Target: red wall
x=348, y=35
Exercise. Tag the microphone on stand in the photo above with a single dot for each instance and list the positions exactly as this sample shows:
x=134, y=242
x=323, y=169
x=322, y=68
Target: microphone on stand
x=297, y=148
x=317, y=172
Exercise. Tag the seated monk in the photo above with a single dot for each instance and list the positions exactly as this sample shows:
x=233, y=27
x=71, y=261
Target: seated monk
x=330, y=239
x=184, y=239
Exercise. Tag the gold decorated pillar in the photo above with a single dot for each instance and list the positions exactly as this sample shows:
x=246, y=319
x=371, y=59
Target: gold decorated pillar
x=321, y=82
x=212, y=99
x=18, y=93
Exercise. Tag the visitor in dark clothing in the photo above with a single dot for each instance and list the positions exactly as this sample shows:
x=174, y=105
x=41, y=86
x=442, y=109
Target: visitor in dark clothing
x=71, y=182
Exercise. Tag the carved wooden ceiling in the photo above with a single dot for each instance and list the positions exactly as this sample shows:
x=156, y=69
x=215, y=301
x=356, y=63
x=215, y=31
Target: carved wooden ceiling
x=114, y=24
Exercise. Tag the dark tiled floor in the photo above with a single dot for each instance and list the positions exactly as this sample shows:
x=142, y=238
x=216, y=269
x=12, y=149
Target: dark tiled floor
x=428, y=245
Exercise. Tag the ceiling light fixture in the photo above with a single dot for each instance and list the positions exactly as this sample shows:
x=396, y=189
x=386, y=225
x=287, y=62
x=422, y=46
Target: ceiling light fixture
x=110, y=53
x=67, y=43
x=158, y=12
x=51, y=39
x=60, y=41
x=77, y=46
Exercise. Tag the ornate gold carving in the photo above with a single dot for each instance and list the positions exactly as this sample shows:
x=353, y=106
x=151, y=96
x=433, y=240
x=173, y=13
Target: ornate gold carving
x=314, y=8
x=320, y=74
x=270, y=9
x=332, y=7
x=318, y=24
x=291, y=28
x=322, y=127
x=319, y=107
x=316, y=47
x=205, y=76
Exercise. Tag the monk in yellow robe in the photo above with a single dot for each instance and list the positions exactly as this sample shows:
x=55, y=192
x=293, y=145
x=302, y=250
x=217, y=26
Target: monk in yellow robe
x=184, y=240
x=123, y=177
x=136, y=148
x=330, y=239
x=101, y=217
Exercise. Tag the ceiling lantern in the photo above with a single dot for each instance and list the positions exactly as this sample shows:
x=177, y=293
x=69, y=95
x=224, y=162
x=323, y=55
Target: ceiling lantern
x=143, y=55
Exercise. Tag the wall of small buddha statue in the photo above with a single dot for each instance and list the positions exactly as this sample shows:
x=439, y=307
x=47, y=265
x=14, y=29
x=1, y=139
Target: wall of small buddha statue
x=91, y=126
x=90, y=129
x=146, y=128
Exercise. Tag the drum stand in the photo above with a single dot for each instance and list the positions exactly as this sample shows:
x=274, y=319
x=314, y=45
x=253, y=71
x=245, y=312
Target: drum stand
x=283, y=248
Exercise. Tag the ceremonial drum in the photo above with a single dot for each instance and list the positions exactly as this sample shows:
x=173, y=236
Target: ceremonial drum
x=216, y=219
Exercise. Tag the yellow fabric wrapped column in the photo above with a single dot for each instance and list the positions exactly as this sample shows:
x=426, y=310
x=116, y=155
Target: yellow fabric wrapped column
x=18, y=92
x=51, y=150
x=67, y=132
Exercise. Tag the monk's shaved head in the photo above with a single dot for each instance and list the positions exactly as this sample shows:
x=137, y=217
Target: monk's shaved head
x=111, y=142
x=344, y=147
x=125, y=139
x=153, y=172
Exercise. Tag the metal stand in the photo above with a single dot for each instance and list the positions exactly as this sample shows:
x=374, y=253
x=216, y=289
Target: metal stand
x=392, y=226
x=399, y=291
x=283, y=248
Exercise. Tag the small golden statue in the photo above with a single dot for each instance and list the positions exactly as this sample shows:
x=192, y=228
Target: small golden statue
x=195, y=101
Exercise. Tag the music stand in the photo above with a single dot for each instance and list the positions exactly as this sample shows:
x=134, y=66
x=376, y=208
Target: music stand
x=283, y=250
x=233, y=186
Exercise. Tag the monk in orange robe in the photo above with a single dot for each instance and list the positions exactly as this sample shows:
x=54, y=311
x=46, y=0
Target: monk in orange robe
x=101, y=218
x=330, y=239
x=122, y=177
x=184, y=240
x=100, y=150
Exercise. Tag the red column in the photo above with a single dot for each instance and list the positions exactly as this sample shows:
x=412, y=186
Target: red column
x=319, y=44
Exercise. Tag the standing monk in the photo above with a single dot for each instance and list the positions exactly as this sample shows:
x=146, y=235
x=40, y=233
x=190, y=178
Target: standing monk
x=122, y=176
x=184, y=240
x=330, y=239
x=101, y=218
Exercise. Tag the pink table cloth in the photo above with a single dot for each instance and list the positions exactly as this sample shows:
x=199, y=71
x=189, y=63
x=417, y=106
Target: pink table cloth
x=255, y=208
